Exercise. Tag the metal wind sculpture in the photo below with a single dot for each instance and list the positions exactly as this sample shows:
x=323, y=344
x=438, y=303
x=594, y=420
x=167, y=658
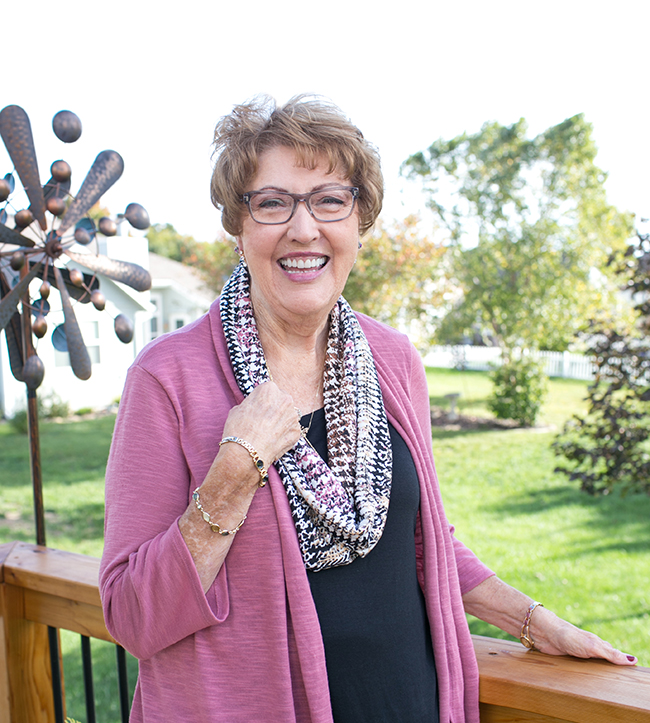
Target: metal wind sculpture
x=36, y=244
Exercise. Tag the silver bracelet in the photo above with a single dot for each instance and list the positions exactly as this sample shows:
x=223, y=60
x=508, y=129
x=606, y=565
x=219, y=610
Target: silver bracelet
x=213, y=525
x=264, y=476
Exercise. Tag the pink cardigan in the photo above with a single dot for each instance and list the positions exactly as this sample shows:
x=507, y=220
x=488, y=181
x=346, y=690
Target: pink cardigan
x=250, y=649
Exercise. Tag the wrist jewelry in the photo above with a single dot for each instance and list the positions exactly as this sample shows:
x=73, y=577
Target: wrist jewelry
x=213, y=525
x=264, y=476
x=525, y=638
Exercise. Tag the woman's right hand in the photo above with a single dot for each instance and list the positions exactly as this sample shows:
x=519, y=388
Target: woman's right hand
x=268, y=420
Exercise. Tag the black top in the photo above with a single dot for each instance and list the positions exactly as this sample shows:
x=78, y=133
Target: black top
x=372, y=613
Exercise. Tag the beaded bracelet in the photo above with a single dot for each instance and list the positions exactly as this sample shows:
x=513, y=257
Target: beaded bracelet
x=213, y=525
x=264, y=477
x=525, y=638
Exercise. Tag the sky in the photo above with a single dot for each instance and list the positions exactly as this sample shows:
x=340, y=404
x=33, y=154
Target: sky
x=150, y=80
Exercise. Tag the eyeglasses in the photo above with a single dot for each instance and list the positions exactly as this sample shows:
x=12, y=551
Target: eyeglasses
x=276, y=207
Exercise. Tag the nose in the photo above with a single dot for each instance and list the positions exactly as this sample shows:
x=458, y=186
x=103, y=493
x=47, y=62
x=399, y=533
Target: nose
x=302, y=227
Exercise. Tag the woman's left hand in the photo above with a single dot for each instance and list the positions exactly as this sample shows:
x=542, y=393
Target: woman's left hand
x=555, y=636
x=502, y=605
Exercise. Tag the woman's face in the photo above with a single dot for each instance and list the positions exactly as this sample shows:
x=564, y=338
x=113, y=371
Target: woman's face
x=326, y=251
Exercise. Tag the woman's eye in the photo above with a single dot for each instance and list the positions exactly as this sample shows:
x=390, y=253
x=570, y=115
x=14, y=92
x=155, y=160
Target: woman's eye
x=329, y=200
x=271, y=202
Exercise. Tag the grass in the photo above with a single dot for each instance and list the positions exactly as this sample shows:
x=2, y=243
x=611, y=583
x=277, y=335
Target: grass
x=585, y=558
x=73, y=459
x=565, y=396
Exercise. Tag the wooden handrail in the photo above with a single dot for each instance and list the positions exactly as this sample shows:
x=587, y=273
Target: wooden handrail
x=41, y=586
x=557, y=688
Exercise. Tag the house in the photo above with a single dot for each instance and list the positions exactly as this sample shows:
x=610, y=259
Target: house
x=178, y=296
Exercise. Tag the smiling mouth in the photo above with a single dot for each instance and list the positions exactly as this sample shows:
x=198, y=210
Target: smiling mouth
x=301, y=264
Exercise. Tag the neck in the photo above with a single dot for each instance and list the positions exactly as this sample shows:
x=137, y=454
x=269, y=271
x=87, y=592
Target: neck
x=302, y=335
x=295, y=357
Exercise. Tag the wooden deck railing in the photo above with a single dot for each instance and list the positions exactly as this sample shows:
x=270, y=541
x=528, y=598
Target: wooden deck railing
x=41, y=587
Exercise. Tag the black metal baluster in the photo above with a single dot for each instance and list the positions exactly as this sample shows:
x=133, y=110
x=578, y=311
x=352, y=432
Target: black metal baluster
x=122, y=683
x=89, y=688
x=53, y=636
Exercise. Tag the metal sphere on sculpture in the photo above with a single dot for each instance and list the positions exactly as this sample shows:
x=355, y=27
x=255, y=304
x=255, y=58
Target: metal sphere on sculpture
x=66, y=126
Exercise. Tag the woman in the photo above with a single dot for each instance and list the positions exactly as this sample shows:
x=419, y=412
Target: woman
x=276, y=547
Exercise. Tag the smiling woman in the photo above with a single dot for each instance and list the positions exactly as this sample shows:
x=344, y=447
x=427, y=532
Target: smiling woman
x=281, y=552
x=298, y=268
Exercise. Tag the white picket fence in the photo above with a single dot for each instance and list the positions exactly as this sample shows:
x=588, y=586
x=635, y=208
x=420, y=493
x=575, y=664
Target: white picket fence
x=480, y=358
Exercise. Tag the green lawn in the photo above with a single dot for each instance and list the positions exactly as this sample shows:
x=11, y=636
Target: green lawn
x=73, y=460
x=586, y=558
x=565, y=396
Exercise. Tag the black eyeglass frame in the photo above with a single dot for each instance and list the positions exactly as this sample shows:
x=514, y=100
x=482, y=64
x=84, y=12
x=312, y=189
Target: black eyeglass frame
x=297, y=198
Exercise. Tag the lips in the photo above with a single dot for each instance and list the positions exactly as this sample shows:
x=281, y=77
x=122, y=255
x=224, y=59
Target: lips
x=310, y=263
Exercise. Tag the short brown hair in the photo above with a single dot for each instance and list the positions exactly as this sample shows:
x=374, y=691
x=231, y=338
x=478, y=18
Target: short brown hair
x=314, y=129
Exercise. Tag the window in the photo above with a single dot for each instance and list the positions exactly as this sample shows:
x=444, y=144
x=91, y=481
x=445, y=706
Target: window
x=178, y=321
x=90, y=333
x=155, y=327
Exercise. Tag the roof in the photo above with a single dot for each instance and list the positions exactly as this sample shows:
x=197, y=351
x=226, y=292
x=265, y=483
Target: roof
x=167, y=272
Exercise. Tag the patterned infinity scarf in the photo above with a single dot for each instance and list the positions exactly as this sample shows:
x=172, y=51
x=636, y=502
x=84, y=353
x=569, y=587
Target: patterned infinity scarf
x=339, y=510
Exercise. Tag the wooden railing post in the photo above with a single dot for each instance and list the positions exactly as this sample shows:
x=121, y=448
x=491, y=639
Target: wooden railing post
x=25, y=674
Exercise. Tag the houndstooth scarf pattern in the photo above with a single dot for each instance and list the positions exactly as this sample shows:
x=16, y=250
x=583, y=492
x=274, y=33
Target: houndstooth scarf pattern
x=339, y=510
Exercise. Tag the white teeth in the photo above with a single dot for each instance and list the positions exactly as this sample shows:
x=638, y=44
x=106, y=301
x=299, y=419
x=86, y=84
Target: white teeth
x=313, y=263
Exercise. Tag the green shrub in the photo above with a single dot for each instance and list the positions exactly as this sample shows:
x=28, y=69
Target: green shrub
x=520, y=386
x=609, y=447
x=51, y=406
x=84, y=410
x=19, y=422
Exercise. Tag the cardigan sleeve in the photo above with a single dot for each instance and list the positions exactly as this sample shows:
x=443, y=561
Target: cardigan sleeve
x=471, y=571
x=150, y=589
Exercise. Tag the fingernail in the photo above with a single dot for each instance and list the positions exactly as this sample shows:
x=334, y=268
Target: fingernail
x=631, y=658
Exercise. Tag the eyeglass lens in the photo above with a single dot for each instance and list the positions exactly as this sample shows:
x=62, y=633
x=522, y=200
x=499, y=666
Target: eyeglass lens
x=331, y=204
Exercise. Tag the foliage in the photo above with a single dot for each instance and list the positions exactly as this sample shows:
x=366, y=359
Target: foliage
x=51, y=406
x=519, y=390
x=19, y=422
x=529, y=224
x=214, y=260
x=565, y=396
x=398, y=276
x=165, y=240
x=609, y=447
x=98, y=211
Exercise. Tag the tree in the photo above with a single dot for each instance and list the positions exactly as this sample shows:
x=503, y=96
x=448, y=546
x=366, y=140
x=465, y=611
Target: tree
x=398, y=277
x=165, y=240
x=215, y=261
x=609, y=447
x=530, y=231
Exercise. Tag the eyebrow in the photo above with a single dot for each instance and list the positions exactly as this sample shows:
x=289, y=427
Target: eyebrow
x=315, y=189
